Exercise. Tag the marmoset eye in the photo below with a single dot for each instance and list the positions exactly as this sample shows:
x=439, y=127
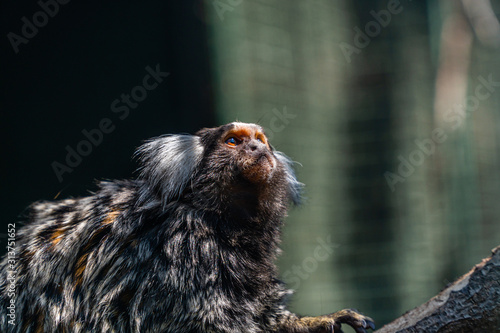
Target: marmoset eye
x=233, y=142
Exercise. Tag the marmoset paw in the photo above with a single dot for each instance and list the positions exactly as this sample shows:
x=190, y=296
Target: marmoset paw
x=352, y=318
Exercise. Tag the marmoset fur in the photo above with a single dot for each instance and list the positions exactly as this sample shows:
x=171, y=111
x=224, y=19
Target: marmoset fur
x=187, y=247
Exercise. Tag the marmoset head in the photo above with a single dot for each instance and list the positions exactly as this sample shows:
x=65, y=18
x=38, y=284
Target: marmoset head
x=244, y=147
x=218, y=163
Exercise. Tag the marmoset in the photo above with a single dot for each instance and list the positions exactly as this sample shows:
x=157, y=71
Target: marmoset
x=188, y=246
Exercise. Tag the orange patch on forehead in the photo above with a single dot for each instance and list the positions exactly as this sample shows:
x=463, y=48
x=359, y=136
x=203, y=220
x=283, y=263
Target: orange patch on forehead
x=246, y=130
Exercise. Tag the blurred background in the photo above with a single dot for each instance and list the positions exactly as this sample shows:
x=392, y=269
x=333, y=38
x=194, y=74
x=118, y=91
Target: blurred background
x=390, y=108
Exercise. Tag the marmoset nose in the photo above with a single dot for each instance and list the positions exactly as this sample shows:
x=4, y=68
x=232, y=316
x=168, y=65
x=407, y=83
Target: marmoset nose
x=255, y=146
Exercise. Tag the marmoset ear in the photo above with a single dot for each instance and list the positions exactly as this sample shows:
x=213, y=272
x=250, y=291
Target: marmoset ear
x=168, y=163
x=295, y=188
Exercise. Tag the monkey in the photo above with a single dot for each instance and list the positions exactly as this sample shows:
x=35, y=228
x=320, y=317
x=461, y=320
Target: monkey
x=187, y=246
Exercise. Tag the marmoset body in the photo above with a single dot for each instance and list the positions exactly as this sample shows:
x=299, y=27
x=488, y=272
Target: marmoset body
x=188, y=246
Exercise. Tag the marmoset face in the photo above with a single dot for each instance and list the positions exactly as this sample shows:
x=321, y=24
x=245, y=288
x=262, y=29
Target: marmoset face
x=249, y=148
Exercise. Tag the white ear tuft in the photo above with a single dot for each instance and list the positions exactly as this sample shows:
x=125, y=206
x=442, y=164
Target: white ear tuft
x=168, y=163
x=295, y=187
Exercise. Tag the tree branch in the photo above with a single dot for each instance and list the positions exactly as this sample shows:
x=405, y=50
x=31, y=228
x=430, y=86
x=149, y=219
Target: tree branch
x=470, y=304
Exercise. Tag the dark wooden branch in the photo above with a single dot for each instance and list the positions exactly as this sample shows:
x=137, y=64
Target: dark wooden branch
x=470, y=304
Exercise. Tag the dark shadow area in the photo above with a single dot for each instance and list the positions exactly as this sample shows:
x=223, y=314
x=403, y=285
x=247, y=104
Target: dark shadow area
x=65, y=91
